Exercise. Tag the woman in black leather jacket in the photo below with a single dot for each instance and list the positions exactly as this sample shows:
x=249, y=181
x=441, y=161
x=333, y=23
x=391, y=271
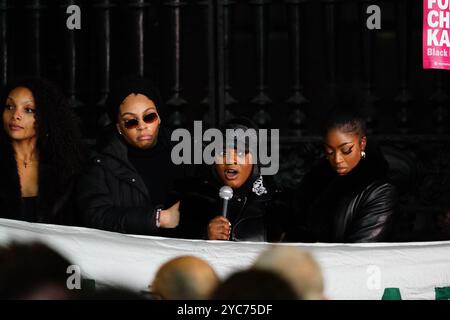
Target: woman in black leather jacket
x=346, y=197
x=255, y=210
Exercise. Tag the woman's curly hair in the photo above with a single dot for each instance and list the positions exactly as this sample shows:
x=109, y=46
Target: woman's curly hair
x=59, y=140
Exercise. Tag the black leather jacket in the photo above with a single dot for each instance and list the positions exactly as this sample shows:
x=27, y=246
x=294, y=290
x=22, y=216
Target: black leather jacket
x=253, y=217
x=357, y=207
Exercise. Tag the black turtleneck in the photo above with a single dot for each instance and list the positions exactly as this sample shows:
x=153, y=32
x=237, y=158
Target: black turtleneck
x=156, y=169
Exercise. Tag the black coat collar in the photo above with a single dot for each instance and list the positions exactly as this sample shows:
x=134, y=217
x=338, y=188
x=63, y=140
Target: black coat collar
x=373, y=167
x=114, y=158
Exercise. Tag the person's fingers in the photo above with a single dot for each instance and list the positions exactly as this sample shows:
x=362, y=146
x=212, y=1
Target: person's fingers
x=215, y=224
x=219, y=231
x=219, y=228
x=221, y=219
x=218, y=236
x=213, y=230
x=223, y=227
x=223, y=236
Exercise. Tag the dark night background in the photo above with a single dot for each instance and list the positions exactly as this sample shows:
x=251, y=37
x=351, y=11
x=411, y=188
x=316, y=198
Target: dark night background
x=281, y=62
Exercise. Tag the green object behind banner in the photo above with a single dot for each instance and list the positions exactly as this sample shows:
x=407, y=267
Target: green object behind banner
x=391, y=294
x=88, y=285
x=442, y=293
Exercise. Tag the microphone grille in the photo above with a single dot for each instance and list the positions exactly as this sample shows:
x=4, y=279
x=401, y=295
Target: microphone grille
x=226, y=193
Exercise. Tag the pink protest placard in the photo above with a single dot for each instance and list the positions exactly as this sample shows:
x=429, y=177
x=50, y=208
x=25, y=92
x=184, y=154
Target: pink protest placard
x=436, y=41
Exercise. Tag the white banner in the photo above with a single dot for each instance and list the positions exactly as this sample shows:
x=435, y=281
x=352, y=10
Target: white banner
x=351, y=271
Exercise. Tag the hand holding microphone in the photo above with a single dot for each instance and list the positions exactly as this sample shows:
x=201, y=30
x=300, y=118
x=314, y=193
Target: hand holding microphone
x=219, y=228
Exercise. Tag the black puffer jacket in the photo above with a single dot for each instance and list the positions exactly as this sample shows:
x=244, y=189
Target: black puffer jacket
x=357, y=207
x=112, y=195
x=253, y=217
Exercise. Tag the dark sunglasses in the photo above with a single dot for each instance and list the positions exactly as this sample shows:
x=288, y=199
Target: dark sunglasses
x=134, y=123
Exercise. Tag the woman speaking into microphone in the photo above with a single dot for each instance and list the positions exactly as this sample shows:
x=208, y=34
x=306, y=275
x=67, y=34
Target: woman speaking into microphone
x=233, y=201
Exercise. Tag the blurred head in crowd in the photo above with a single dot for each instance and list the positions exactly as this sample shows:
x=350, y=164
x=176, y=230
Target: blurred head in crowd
x=254, y=284
x=133, y=106
x=111, y=293
x=344, y=140
x=184, y=278
x=33, y=271
x=296, y=266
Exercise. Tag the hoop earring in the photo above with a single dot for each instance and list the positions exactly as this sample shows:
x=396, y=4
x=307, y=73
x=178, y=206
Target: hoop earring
x=363, y=154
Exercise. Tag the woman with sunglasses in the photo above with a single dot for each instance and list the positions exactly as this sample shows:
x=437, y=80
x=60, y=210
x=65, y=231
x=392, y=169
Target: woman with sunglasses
x=41, y=153
x=130, y=186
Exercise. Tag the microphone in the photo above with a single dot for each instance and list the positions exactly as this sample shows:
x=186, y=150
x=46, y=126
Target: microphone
x=226, y=193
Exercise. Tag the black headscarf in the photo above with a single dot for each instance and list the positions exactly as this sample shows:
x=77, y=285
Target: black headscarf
x=244, y=124
x=126, y=86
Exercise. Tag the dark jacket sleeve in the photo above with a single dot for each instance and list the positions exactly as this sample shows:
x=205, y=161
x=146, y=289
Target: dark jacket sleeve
x=373, y=220
x=297, y=224
x=196, y=210
x=280, y=216
x=96, y=204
